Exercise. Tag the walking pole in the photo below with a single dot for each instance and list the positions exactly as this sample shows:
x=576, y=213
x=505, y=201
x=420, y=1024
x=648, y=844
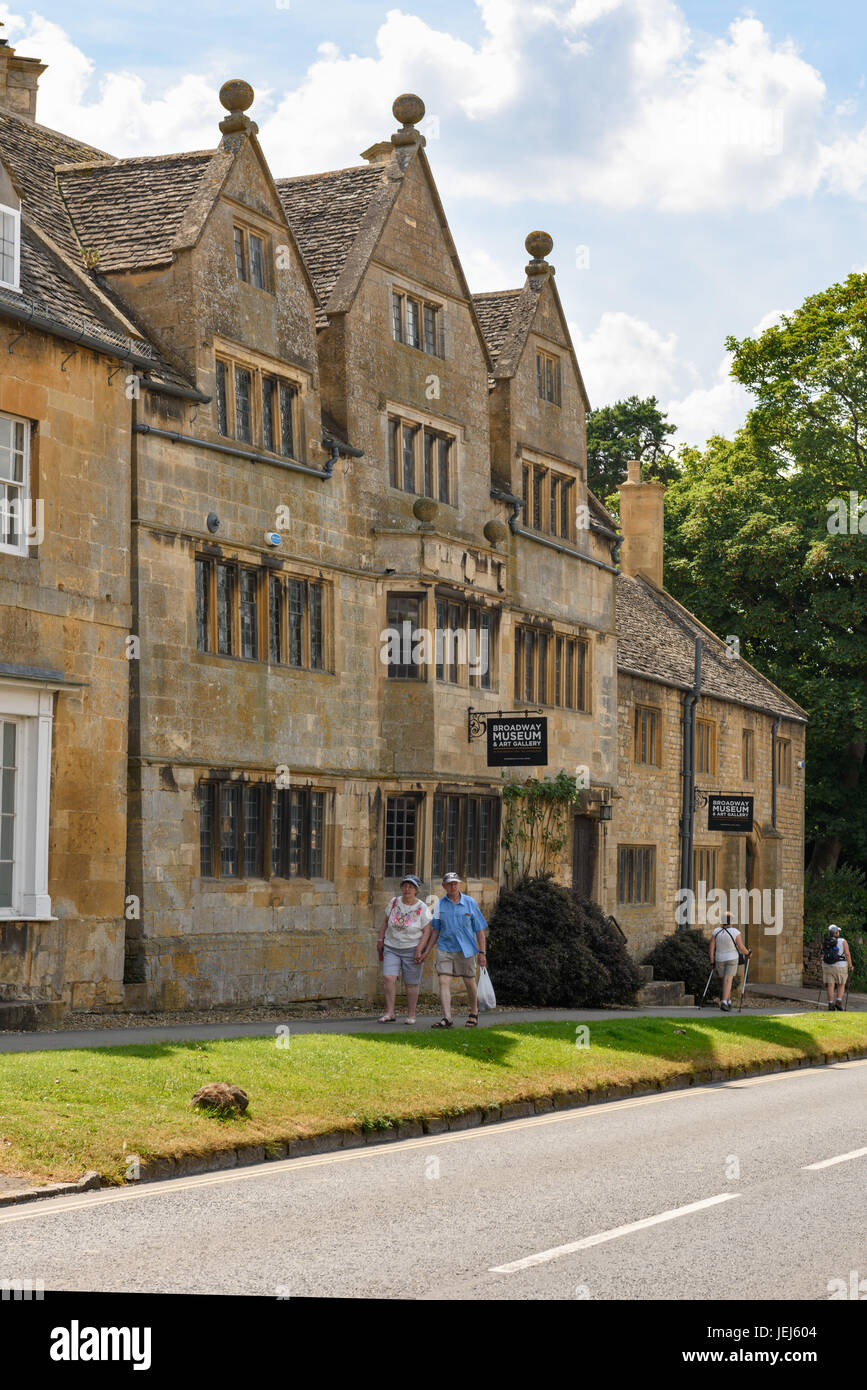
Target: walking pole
x=848, y=982
x=744, y=981
x=706, y=988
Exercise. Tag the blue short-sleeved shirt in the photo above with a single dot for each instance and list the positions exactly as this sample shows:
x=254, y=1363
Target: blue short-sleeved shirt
x=458, y=924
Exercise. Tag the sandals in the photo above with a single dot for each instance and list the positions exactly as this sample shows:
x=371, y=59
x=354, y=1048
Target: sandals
x=472, y=1021
x=409, y=1020
x=443, y=1023
x=387, y=1018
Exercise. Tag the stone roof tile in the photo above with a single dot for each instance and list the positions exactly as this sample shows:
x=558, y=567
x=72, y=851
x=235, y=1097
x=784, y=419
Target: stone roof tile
x=656, y=638
x=325, y=212
x=129, y=210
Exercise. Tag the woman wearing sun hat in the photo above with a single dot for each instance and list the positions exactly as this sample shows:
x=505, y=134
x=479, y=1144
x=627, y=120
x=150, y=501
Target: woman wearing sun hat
x=402, y=929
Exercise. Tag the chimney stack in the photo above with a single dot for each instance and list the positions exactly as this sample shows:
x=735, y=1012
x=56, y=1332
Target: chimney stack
x=19, y=80
x=641, y=521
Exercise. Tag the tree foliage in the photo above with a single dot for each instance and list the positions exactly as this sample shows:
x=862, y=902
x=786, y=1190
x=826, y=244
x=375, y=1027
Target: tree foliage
x=629, y=429
x=755, y=549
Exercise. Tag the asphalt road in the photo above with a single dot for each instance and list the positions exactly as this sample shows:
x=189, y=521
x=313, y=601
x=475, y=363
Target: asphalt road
x=461, y=1216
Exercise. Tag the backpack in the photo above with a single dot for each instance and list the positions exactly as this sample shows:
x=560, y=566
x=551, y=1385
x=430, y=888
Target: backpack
x=831, y=952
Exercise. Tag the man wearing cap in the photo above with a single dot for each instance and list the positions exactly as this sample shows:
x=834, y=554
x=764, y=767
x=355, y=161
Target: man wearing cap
x=836, y=964
x=458, y=933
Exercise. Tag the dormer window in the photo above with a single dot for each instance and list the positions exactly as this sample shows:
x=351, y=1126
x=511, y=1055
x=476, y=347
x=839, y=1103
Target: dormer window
x=417, y=323
x=10, y=248
x=250, y=258
x=548, y=377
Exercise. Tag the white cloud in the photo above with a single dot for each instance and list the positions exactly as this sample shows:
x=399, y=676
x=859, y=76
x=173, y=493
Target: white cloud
x=626, y=356
x=485, y=273
x=615, y=99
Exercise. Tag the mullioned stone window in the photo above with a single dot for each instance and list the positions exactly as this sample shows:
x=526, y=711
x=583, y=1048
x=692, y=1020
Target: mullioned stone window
x=258, y=615
x=258, y=830
x=256, y=407
x=465, y=835
x=636, y=875
x=551, y=669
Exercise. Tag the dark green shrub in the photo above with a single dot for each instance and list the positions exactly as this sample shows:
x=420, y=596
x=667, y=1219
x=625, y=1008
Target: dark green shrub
x=549, y=950
x=684, y=956
x=604, y=942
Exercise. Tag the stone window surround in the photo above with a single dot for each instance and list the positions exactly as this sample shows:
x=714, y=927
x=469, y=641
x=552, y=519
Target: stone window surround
x=259, y=365
x=554, y=355
x=246, y=231
x=408, y=290
x=712, y=770
x=551, y=466
x=30, y=705
x=266, y=781
x=712, y=851
x=436, y=423
x=15, y=214
x=25, y=486
x=638, y=707
x=527, y=622
x=309, y=574
x=424, y=828
x=748, y=754
x=651, y=901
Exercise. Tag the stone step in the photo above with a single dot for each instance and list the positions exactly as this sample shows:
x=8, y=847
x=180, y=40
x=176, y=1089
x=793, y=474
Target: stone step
x=659, y=993
x=18, y=1015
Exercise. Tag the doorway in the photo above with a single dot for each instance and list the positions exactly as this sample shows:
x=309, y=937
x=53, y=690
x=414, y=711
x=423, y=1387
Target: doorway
x=583, y=855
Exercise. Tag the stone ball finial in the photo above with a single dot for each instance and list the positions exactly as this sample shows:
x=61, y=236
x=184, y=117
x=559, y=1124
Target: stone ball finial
x=408, y=109
x=539, y=245
x=236, y=95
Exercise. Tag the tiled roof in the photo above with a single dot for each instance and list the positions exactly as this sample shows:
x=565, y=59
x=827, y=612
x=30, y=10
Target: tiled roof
x=325, y=212
x=656, y=638
x=494, y=312
x=129, y=210
x=32, y=152
x=50, y=288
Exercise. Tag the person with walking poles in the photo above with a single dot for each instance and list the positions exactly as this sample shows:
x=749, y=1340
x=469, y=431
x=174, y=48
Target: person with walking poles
x=400, y=934
x=726, y=948
x=458, y=933
x=836, y=964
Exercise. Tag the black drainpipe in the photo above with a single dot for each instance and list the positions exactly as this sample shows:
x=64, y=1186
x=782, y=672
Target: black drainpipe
x=776, y=725
x=690, y=700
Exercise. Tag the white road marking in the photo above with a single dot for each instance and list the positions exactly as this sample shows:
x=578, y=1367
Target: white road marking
x=829, y=1162
x=56, y=1206
x=559, y=1251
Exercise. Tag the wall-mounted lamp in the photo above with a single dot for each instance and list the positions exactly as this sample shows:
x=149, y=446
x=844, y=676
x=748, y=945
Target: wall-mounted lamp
x=605, y=810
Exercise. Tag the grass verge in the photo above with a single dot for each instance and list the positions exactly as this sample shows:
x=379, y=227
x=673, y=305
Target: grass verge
x=62, y=1113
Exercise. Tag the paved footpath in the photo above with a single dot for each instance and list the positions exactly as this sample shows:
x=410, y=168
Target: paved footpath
x=202, y=1032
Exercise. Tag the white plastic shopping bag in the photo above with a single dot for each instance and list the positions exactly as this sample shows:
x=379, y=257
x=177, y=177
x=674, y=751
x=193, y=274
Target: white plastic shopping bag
x=487, y=997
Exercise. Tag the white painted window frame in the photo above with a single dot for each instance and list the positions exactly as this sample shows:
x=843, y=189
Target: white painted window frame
x=31, y=708
x=15, y=283
x=24, y=517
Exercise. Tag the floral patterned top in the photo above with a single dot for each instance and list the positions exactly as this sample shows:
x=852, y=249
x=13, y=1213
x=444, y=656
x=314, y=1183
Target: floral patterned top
x=406, y=924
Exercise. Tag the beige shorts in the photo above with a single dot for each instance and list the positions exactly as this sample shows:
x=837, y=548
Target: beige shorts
x=453, y=963
x=725, y=967
x=834, y=974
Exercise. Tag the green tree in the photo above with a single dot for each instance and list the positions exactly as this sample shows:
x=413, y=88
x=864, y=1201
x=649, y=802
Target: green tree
x=757, y=546
x=630, y=429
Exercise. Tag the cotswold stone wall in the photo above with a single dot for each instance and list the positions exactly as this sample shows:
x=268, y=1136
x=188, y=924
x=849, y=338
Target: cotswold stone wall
x=647, y=811
x=65, y=607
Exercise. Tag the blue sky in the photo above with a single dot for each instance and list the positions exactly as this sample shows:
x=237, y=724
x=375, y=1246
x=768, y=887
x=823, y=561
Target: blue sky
x=700, y=166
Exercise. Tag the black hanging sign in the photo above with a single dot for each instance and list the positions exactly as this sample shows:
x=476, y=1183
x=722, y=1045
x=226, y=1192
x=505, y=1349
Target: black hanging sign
x=516, y=742
x=730, y=813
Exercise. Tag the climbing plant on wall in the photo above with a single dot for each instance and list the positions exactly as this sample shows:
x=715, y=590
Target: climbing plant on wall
x=536, y=824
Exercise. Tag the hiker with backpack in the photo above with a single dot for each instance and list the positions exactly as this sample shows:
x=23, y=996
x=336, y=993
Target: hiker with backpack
x=727, y=946
x=836, y=964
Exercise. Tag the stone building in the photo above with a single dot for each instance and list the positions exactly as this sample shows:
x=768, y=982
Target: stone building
x=292, y=449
